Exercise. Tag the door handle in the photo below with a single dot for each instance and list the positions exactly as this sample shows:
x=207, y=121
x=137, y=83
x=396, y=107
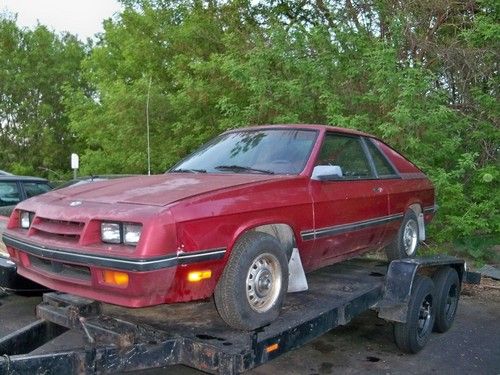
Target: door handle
x=377, y=189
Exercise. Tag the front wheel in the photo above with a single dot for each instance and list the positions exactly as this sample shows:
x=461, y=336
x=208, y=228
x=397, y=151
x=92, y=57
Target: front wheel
x=252, y=288
x=406, y=242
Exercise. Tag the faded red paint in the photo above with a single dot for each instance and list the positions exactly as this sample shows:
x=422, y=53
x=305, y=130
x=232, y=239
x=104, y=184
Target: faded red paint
x=185, y=213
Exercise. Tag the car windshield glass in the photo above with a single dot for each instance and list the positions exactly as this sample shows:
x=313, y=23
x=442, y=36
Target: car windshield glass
x=267, y=151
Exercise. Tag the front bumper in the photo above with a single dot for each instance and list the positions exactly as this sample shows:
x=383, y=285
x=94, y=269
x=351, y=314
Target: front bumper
x=151, y=281
x=11, y=281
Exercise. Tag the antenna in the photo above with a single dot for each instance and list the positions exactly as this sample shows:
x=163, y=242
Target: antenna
x=147, y=128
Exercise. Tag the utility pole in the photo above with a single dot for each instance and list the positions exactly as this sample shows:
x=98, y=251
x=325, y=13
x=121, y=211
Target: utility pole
x=147, y=127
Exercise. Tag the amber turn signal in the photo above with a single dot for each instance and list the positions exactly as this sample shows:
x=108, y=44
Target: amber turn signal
x=115, y=278
x=272, y=348
x=195, y=276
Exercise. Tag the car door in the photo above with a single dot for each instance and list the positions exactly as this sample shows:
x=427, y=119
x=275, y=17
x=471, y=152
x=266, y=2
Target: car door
x=398, y=191
x=349, y=211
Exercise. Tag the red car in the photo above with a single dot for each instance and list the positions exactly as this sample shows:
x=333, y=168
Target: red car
x=225, y=222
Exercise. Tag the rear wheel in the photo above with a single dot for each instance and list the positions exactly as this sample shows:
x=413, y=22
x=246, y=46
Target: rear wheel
x=412, y=336
x=405, y=243
x=447, y=293
x=252, y=288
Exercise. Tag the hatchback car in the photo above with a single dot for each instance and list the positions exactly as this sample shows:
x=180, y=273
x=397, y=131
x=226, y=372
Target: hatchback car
x=226, y=220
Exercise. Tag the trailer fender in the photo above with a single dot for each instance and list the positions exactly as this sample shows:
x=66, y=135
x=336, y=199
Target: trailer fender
x=399, y=283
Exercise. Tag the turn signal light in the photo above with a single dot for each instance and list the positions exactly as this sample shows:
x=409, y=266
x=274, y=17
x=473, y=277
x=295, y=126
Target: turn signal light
x=115, y=278
x=272, y=348
x=195, y=276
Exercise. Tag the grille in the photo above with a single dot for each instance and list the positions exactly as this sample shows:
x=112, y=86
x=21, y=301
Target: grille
x=58, y=229
x=63, y=269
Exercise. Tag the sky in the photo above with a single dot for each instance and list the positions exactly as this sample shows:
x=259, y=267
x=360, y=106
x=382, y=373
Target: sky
x=81, y=17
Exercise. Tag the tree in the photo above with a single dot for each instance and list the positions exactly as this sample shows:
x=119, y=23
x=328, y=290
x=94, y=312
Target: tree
x=36, y=66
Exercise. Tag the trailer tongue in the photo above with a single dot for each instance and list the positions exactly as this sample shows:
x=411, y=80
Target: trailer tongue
x=120, y=339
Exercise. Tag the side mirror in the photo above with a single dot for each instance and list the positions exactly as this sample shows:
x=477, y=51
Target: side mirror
x=327, y=173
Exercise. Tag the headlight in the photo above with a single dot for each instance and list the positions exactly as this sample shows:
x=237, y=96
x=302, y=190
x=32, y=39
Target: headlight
x=126, y=233
x=111, y=232
x=131, y=233
x=25, y=219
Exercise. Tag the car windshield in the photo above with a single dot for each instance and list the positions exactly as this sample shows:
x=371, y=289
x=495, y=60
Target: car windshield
x=267, y=151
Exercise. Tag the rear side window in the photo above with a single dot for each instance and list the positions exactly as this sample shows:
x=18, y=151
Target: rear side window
x=9, y=194
x=383, y=167
x=347, y=153
x=35, y=188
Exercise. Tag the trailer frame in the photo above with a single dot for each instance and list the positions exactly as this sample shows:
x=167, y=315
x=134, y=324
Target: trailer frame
x=120, y=339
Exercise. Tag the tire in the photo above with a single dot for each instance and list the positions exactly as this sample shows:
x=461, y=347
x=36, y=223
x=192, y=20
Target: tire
x=405, y=243
x=412, y=336
x=252, y=288
x=447, y=294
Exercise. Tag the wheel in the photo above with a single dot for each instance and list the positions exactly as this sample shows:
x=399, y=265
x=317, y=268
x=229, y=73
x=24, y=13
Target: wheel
x=412, y=336
x=447, y=293
x=252, y=288
x=405, y=243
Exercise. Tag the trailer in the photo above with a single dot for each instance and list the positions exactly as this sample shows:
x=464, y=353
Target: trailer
x=419, y=295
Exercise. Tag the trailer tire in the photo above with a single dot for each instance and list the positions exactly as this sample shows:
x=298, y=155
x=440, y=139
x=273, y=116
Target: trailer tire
x=405, y=243
x=412, y=336
x=252, y=287
x=447, y=294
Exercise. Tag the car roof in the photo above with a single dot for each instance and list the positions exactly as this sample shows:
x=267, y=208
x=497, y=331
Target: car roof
x=318, y=127
x=22, y=178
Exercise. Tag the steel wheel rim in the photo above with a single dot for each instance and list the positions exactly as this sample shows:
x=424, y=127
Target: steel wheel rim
x=263, y=282
x=410, y=237
x=424, y=316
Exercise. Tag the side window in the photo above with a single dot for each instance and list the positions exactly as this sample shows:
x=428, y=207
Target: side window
x=9, y=194
x=35, y=188
x=383, y=167
x=347, y=153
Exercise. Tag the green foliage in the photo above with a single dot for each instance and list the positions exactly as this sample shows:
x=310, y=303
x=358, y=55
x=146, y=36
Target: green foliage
x=35, y=66
x=421, y=75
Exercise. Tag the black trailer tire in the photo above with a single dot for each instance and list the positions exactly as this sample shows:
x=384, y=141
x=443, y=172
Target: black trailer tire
x=405, y=244
x=447, y=294
x=252, y=288
x=412, y=336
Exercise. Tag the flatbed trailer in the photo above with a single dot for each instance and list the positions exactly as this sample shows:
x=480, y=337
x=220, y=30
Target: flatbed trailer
x=120, y=339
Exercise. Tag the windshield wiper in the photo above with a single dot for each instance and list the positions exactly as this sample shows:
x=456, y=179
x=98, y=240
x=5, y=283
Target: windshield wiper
x=180, y=170
x=240, y=168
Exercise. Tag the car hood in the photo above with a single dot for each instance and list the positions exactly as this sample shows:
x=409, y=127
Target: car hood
x=158, y=190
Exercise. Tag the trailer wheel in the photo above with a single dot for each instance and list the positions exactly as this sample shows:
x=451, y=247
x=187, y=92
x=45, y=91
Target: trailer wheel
x=412, y=336
x=405, y=243
x=252, y=288
x=447, y=293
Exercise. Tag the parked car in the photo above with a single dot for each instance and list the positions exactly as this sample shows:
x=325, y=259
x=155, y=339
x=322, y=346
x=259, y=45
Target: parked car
x=14, y=189
x=226, y=220
x=4, y=173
